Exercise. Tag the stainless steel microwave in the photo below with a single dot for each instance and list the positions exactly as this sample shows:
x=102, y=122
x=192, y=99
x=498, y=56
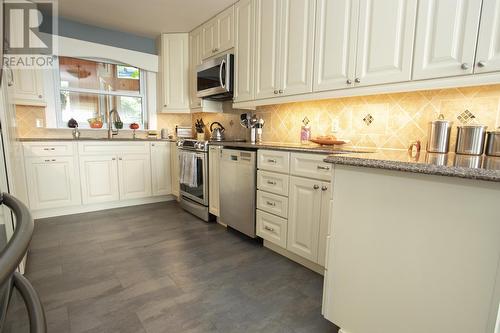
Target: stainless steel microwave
x=215, y=78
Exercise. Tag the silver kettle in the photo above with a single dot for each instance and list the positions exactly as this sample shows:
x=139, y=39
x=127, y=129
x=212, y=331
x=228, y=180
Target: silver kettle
x=217, y=132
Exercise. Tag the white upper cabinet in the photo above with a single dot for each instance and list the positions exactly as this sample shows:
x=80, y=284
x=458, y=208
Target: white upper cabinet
x=284, y=47
x=134, y=174
x=267, y=43
x=297, y=46
x=335, y=50
x=209, y=31
x=446, y=38
x=161, y=168
x=488, y=45
x=218, y=34
x=385, y=41
x=174, y=76
x=244, y=16
x=225, y=31
x=195, y=44
x=28, y=87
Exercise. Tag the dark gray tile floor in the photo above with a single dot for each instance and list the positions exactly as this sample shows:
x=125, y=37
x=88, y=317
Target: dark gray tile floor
x=155, y=268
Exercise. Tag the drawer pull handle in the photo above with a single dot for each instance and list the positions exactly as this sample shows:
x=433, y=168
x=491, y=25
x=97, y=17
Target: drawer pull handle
x=320, y=167
x=269, y=203
x=50, y=160
x=272, y=161
x=269, y=228
x=47, y=149
x=270, y=182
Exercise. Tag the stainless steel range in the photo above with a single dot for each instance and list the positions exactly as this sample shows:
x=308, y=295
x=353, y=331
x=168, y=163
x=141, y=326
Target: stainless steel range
x=193, y=177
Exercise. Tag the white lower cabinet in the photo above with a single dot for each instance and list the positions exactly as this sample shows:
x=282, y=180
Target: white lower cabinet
x=52, y=182
x=160, y=168
x=134, y=176
x=174, y=167
x=213, y=180
x=304, y=217
x=271, y=228
x=99, y=178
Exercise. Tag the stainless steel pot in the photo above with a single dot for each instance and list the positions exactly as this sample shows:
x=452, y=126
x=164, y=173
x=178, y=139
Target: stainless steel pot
x=470, y=139
x=493, y=143
x=438, y=138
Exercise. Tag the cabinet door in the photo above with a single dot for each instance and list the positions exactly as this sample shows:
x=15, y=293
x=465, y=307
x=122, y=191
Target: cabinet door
x=244, y=50
x=297, y=46
x=174, y=166
x=336, y=36
x=446, y=36
x=28, y=87
x=326, y=196
x=195, y=41
x=160, y=168
x=304, y=217
x=267, y=44
x=175, y=73
x=213, y=180
x=488, y=45
x=225, y=30
x=52, y=182
x=134, y=176
x=385, y=41
x=99, y=178
x=209, y=32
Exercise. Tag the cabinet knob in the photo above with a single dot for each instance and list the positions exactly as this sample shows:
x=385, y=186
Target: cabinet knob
x=465, y=66
x=153, y=144
x=276, y=92
x=324, y=188
x=349, y=81
x=281, y=91
x=481, y=64
x=316, y=187
x=40, y=96
x=357, y=80
x=113, y=159
x=121, y=159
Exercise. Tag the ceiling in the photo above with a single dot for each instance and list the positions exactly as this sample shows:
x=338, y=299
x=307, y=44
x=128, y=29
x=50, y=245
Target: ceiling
x=146, y=18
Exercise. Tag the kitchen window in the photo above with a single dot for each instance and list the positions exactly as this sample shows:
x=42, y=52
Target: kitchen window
x=89, y=90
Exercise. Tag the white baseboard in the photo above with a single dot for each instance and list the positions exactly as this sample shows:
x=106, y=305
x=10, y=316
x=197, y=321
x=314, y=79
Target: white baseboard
x=61, y=211
x=298, y=259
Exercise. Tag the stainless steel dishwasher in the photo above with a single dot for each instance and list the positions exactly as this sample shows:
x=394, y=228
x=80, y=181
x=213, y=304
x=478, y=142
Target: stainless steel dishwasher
x=237, y=190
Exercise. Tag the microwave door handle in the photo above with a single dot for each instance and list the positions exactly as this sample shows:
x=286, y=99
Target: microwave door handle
x=222, y=65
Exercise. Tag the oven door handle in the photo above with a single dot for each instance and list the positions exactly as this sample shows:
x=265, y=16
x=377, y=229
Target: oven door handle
x=221, y=68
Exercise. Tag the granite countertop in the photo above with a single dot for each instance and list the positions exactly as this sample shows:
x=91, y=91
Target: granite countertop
x=92, y=139
x=296, y=147
x=452, y=165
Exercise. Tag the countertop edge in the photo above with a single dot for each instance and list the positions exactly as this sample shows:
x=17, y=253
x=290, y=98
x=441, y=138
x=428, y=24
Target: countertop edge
x=428, y=169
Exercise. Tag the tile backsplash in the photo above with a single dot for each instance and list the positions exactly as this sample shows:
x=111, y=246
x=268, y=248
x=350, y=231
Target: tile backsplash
x=381, y=121
x=384, y=121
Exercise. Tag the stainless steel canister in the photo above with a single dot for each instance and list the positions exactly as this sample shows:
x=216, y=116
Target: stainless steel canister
x=493, y=143
x=438, y=139
x=470, y=139
x=467, y=161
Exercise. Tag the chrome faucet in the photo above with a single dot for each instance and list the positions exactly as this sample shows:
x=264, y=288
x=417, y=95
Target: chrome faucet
x=112, y=117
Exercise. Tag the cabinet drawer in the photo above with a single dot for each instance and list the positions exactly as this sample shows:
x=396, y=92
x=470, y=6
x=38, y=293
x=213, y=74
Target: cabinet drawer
x=310, y=166
x=272, y=160
x=40, y=149
x=272, y=203
x=271, y=228
x=272, y=182
x=108, y=148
